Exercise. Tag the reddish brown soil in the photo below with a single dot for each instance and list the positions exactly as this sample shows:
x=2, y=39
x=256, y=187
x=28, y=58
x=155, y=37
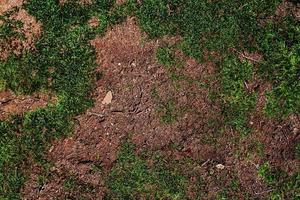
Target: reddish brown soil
x=141, y=89
x=93, y=22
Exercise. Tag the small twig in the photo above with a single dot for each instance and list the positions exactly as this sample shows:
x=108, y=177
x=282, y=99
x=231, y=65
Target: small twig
x=256, y=165
x=249, y=58
x=246, y=85
x=96, y=114
x=244, y=56
x=267, y=191
x=240, y=8
x=205, y=163
x=115, y=110
x=5, y=101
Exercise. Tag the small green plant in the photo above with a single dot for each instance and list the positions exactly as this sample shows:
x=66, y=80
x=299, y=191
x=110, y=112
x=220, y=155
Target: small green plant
x=69, y=183
x=265, y=172
x=297, y=150
x=77, y=189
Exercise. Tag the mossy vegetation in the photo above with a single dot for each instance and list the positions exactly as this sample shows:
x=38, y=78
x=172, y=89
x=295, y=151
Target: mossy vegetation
x=237, y=103
x=63, y=60
x=61, y=63
x=283, y=186
x=280, y=47
x=132, y=177
x=8, y=28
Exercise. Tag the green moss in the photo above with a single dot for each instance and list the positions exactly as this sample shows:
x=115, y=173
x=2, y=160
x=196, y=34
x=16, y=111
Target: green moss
x=11, y=178
x=132, y=177
x=9, y=28
x=155, y=18
x=166, y=56
x=281, y=49
x=283, y=186
x=237, y=103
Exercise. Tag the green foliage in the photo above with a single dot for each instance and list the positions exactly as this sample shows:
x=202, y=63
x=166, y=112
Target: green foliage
x=121, y=12
x=11, y=179
x=165, y=56
x=133, y=178
x=283, y=186
x=280, y=44
x=297, y=150
x=205, y=24
x=236, y=102
x=77, y=189
x=265, y=172
x=156, y=18
x=168, y=112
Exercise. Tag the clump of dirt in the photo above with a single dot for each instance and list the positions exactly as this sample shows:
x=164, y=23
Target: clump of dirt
x=93, y=22
x=11, y=104
x=30, y=31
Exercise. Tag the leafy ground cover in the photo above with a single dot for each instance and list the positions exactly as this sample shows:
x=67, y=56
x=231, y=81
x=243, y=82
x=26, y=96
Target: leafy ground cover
x=204, y=99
